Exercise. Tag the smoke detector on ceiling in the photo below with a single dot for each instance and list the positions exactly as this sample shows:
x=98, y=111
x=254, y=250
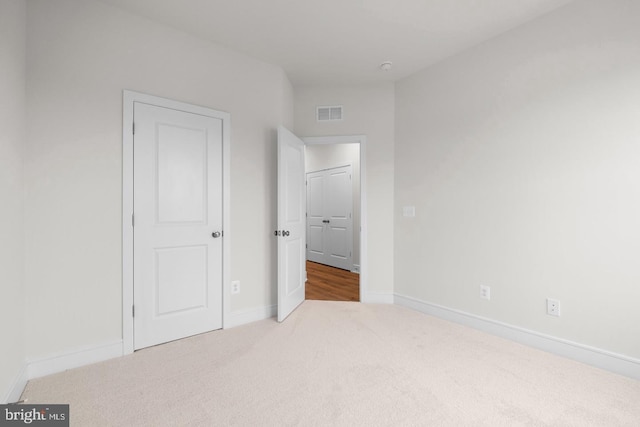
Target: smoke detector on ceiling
x=386, y=65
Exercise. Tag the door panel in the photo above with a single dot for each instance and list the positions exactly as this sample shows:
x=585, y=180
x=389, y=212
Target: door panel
x=338, y=201
x=182, y=162
x=291, y=223
x=181, y=279
x=315, y=190
x=177, y=206
x=315, y=241
x=338, y=238
x=294, y=267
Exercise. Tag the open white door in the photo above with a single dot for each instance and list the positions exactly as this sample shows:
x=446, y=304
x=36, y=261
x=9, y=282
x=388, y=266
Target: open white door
x=291, y=223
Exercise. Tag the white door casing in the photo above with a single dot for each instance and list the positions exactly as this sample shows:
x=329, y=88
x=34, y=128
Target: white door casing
x=329, y=217
x=178, y=161
x=290, y=231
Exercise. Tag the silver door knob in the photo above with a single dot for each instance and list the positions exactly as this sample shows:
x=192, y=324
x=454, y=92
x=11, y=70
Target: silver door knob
x=216, y=234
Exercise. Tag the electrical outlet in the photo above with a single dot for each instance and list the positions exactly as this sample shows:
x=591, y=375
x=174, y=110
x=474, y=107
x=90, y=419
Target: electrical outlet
x=235, y=287
x=485, y=292
x=553, y=307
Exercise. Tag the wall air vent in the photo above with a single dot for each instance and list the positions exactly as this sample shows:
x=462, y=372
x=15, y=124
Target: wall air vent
x=329, y=113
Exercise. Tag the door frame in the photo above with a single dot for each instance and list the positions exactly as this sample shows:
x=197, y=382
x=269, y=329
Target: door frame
x=362, y=140
x=128, y=99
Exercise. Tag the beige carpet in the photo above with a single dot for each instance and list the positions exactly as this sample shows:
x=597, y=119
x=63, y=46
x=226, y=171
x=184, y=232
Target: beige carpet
x=343, y=364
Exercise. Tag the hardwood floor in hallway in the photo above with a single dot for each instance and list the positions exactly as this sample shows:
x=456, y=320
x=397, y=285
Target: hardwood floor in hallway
x=331, y=284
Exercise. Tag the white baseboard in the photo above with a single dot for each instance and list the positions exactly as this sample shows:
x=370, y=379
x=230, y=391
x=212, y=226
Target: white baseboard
x=378, y=298
x=17, y=387
x=599, y=358
x=243, y=317
x=73, y=359
x=355, y=269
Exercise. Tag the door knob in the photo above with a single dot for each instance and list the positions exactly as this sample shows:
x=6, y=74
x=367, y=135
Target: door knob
x=285, y=233
x=326, y=221
x=216, y=234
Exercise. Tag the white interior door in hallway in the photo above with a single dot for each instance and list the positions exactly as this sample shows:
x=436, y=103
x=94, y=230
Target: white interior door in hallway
x=330, y=217
x=177, y=231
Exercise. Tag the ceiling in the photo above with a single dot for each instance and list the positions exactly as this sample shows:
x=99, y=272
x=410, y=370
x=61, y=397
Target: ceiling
x=343, y=41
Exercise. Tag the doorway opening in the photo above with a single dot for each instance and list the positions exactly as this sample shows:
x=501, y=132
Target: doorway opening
x=336, y=222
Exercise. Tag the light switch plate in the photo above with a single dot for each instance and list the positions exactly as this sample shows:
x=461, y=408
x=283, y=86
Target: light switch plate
x=409, y=211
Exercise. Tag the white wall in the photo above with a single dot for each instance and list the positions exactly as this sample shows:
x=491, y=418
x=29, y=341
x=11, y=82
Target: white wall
x=368, y=110
x=521, y=157
x=81, y=55
x=288, y=107
x=328, y=156
x=12, y=121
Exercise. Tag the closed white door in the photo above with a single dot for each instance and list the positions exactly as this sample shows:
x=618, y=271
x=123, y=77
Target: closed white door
x=177, y=224
x=330, y=217
x=291, y=223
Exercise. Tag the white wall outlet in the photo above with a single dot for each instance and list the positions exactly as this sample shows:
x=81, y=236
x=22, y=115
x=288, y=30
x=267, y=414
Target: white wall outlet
x=235, y=287
x=485, y=292
x=553, y=307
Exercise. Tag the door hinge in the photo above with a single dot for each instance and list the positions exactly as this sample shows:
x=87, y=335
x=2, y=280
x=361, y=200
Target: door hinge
x=133, y=128
x=133, y=311
x=133, y=220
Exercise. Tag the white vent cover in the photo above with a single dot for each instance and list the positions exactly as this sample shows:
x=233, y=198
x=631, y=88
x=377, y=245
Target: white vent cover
x=329, y=113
